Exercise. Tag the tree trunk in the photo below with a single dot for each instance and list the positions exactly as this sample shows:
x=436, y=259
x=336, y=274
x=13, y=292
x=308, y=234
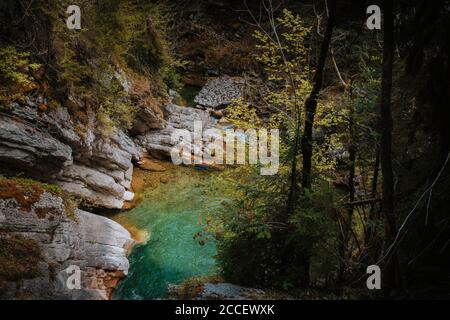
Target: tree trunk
x=351, y=192
x=390, y=274
x=290, y=206
x=311, y=102
x=370, y=237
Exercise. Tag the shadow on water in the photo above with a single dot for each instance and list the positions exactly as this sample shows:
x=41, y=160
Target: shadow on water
x=189, y=92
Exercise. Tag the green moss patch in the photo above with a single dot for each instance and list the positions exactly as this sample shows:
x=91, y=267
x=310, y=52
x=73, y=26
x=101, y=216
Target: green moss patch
x=28, y=191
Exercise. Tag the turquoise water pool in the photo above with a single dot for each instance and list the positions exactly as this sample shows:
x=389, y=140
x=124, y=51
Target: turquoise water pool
x=172, y=214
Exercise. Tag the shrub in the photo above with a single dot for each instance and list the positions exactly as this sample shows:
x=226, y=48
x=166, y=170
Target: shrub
x=15, y=69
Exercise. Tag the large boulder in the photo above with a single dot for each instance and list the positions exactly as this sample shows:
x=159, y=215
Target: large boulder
x=219, y=92
x=229, y=291
x=44, y=242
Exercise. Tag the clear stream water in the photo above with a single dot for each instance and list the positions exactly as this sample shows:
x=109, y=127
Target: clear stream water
x=171, y=214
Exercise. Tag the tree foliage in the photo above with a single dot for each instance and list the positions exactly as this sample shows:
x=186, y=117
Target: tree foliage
x=122, y=45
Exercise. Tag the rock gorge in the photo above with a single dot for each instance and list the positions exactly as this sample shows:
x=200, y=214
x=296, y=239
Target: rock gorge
x=51, y=131
x=50, y=146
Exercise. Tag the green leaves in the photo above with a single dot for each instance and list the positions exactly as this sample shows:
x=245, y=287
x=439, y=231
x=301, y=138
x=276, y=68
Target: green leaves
x=284, y=58
x=15, y=75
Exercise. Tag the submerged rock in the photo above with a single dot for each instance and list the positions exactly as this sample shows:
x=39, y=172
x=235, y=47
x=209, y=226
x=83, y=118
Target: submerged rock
x=216, y=291
x=45, y=242
x=151, y=165
x=229, y=291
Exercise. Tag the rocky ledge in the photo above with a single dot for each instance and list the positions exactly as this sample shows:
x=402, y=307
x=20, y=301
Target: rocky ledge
x=45, y=244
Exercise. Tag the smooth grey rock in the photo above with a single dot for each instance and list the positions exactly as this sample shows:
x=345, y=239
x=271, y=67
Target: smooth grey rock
x=125, y=143
x=96, y=180
x=96, y=198
x=128, y=196
x=110, y=156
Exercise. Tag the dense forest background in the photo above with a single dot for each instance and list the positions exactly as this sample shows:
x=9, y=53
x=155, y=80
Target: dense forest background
x=364, y=176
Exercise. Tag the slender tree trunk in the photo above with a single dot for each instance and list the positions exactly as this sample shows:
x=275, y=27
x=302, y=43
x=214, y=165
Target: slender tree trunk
x=310, y=108
x=352, y=166
x=311, y=102
x=374, y=185
x=351, y=192
x=390, y=274
x=370, y=235
x=290, y=206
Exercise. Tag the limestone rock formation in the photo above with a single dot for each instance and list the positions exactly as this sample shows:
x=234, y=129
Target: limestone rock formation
x=50, y=146
x=45, y=244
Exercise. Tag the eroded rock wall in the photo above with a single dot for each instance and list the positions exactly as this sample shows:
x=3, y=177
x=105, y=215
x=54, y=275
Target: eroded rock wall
x=44, y=243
